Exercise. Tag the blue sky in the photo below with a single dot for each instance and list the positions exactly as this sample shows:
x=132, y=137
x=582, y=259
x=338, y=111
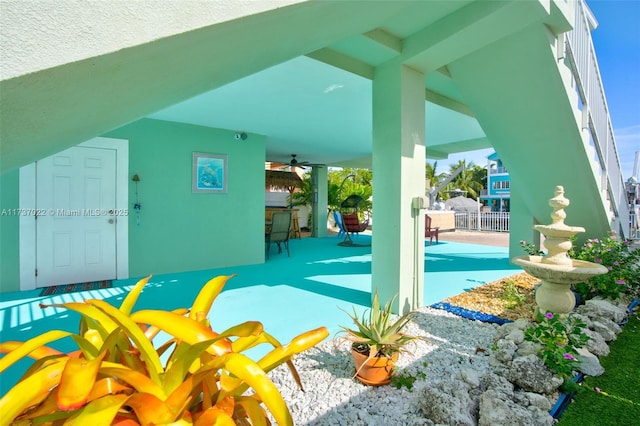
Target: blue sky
x=617, y=45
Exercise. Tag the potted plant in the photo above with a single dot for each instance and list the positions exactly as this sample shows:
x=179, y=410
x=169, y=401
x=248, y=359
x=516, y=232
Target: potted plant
x=376, y=341
x=120, y=376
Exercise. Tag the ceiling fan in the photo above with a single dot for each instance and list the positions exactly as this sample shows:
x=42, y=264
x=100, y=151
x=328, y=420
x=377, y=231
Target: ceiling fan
x=295, y=163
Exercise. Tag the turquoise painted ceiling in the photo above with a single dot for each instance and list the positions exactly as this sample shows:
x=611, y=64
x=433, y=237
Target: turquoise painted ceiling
x=314, y=110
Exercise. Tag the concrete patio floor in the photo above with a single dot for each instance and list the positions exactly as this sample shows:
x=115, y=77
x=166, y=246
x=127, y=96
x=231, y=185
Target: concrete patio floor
x=289, y=295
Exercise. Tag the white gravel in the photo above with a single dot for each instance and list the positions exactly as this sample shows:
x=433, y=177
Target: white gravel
x=333, y=397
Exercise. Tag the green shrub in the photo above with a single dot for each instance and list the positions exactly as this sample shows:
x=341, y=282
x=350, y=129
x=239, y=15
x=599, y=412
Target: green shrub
x=616, y=254
x=559, y=338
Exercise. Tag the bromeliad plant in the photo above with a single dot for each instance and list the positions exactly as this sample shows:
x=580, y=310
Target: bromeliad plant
x=117, y=377
x=559, y=338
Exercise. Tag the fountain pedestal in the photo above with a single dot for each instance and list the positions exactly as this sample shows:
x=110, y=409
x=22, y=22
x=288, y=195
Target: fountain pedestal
x=557, y=271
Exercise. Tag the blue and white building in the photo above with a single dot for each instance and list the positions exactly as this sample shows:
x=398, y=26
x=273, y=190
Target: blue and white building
x=497, y=194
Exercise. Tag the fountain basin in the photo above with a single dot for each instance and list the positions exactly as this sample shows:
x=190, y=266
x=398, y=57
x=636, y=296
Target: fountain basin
x=577, y=271
x=558, y=231
x=554, y=294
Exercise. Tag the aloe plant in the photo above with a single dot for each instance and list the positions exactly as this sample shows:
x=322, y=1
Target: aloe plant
x=117, y=376
x=377, y=332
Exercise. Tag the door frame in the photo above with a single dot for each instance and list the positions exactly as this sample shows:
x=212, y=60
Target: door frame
x=28, y=202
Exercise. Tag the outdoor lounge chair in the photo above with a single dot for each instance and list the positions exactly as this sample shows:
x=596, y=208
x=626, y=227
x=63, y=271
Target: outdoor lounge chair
x=430, y=232
x=279, y=231
x=352, y=226
x=337, y=216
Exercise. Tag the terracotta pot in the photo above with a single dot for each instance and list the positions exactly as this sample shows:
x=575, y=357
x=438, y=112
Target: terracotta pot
x=375, y=372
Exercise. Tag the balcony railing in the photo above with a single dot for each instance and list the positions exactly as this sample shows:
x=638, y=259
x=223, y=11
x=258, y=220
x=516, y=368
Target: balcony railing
x=498, y=170
x=595, y=112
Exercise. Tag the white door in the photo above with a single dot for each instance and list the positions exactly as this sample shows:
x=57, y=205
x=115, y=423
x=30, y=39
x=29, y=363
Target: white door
x=76, y=217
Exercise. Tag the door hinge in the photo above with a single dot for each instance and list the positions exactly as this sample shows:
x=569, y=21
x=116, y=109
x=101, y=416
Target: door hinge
x=36, y=272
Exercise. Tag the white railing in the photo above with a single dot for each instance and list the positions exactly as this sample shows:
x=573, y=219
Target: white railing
x=498, y=170
x=584, y=67
x=499, y=222
x=489, y=221
x=634, y=226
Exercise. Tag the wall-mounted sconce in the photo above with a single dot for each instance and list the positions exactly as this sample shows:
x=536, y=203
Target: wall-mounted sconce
x=240, y=136
x=137, y=206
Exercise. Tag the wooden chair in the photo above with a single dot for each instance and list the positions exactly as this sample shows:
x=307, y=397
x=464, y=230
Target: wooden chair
x=430, y=232
x=279, y=231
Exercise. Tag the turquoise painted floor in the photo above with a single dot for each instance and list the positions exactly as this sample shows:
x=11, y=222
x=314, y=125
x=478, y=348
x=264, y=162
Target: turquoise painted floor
x=289, y=295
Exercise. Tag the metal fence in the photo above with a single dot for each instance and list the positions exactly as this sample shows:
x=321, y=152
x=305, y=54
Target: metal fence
x=499, y=222
x=488, y=221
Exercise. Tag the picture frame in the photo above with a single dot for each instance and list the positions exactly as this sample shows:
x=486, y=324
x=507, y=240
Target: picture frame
x=209, y=173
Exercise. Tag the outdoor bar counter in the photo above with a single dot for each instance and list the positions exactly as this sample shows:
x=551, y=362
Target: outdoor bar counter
x=443, y=219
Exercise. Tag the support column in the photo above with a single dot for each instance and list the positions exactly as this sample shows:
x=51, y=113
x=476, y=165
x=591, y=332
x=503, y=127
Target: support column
x=398, y=175
x=320, y=186
x=520, y=223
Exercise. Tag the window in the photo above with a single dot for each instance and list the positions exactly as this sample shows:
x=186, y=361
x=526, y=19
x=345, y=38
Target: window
x=503, y=184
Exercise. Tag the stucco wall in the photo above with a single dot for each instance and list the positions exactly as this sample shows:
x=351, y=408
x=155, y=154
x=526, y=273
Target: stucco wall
x=9, y=238
x=36, y=34
x=180, y=230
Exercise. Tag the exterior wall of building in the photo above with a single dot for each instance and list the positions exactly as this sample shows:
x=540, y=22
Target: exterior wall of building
x=179, y=230
x=9, y=229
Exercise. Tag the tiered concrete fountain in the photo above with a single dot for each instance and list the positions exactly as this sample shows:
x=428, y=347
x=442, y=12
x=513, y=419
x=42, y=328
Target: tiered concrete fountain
x=557, y=270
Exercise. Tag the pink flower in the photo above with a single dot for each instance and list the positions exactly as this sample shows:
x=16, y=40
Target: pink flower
x=569, y=357
x=610, y=268
x=549, y=315
x=616, y=263
x=621, y=282
x=596, y=389
x=597, y=260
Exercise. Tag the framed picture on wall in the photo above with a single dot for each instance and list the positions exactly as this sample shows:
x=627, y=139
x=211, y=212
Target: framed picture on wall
x=209, y=173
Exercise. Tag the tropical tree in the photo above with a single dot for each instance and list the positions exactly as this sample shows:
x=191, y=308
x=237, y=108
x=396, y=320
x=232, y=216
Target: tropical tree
x=304, y=195
x=339, y=187
x=431, y=173
x=350, y=181
x=467, y=180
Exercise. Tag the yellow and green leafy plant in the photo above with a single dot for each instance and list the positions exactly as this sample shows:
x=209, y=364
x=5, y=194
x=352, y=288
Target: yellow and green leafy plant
x=117, y=376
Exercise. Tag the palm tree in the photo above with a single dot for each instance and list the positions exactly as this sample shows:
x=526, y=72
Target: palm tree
x=432, y=175
x=467, y=179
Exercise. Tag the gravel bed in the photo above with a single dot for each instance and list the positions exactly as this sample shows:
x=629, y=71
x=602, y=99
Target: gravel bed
x=333, y=397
